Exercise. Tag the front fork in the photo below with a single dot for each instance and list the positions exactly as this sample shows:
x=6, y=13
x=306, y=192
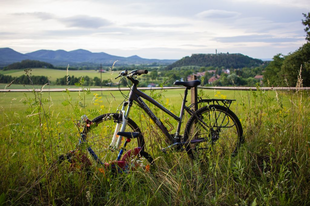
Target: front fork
x=121, y=124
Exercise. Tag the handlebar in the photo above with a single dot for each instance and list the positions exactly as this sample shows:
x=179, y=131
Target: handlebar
x=132, y=73
x=139, y=72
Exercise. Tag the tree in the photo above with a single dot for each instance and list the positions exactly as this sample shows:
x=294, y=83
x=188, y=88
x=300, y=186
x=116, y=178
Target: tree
x=233, y=79
x=154, y=74
x=251, y=82
x=206, y=77
x=272, y=75
x=306, y=23
x=29, y=64
x=296, y=61
x=97, y=81
x=186, y=74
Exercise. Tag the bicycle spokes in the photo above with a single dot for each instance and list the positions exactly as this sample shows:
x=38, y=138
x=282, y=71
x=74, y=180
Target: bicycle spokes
x=218, y=127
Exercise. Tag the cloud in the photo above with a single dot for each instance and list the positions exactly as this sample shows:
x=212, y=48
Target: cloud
x=43, y=15
x=168, y=29
x=40, y=15
x=218, y=14
x=78, y=21
x=6, y=33
x=148, y=25
x=83, y=21
x=280, y=3
x=256, y=38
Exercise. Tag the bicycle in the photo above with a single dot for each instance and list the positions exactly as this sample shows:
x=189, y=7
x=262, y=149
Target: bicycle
x=212, y=127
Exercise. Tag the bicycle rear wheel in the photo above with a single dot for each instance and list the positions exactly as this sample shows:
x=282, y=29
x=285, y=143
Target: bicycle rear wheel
x=98, y=135
x=213, y=130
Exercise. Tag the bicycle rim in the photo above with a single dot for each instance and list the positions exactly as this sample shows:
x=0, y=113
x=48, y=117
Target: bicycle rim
x=99, y=136
x=214, y=130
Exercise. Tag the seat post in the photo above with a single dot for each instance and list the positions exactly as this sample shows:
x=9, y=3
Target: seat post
x=194, y=93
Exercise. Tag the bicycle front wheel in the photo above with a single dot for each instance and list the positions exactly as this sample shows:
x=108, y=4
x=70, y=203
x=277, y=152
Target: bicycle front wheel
x=98, y=136
x=213, y=130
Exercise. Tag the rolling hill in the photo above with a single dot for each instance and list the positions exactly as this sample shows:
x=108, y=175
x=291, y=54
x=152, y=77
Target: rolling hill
x=74, y=58
x=225, y=60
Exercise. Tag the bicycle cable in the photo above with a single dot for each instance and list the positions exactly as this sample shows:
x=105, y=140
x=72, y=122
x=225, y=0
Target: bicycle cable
x=122, y=93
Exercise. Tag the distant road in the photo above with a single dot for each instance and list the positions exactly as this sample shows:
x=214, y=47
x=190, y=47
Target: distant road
x=153, y=88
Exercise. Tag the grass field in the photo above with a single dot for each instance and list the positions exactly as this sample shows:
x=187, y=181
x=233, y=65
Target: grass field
x=272, y=167
x=53, y=74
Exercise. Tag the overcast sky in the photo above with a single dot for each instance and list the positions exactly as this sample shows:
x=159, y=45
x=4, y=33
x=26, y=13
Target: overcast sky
x=163, y=29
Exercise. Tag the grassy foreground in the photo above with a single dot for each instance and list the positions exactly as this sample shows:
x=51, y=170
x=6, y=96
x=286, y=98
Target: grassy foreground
x=272, y=167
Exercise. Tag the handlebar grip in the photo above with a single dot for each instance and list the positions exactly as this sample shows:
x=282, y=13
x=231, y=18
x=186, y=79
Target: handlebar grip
x=139, y=72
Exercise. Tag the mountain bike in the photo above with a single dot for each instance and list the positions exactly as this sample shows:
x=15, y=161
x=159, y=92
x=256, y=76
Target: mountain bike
x=211, y=127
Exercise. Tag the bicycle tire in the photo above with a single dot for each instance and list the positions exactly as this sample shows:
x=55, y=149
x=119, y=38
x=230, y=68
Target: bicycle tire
x=99, y=134
x=213, y=129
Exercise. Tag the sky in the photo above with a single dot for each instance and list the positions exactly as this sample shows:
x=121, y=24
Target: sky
x=160, y=29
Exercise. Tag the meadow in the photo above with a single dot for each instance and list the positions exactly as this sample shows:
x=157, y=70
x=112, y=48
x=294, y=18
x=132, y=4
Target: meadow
x=53, y=74
x=271, y=168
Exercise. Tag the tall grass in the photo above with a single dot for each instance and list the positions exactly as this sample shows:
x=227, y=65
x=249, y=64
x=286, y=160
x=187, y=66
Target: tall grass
x=271, y=168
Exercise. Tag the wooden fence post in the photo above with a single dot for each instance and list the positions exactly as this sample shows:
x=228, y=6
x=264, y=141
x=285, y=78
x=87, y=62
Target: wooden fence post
x=194, y=93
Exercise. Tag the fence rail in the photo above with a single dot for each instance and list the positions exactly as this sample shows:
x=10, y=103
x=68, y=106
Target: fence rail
x=156, y=88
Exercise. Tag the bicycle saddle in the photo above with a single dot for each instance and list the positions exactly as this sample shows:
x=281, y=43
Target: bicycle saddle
x=188, y=84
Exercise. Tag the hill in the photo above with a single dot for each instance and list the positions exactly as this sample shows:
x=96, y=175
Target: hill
x=75, y=58
x=28, y=64
x=217, y=60
x=8, y=56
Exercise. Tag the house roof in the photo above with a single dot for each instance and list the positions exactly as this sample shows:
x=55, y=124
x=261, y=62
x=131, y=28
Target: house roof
x=212, y=79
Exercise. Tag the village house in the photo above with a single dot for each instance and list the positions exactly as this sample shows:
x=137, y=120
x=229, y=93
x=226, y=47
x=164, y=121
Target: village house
x=260, y=78
x=213, y=79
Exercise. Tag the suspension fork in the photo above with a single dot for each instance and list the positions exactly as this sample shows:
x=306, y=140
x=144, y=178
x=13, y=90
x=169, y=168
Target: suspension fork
x=120, y=126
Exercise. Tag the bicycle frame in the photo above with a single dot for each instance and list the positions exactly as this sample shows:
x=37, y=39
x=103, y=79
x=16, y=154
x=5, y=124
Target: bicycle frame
x=138, y=96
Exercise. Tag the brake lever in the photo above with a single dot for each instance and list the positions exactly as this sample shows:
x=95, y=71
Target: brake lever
x=122, y=73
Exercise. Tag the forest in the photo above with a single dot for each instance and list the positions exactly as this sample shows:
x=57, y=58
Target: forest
x=25, y=64
x=225, y=60
x=24, y=79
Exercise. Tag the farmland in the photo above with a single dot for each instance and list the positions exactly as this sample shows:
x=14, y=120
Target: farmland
x=272, y=167
x=53, y=74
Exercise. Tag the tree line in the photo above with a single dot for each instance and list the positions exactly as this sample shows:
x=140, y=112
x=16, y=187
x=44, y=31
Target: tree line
x=84, y=81
x=28, y=64
x=24, y=79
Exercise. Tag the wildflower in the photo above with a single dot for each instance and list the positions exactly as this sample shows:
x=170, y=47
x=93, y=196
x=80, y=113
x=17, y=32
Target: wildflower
x=223, y=96
x=167, y=101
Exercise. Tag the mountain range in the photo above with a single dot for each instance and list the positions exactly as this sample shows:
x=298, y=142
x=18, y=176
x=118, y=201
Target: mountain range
x=74, y=58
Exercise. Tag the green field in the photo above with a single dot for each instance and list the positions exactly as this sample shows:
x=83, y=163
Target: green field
x=272, y=167
x=53, y=74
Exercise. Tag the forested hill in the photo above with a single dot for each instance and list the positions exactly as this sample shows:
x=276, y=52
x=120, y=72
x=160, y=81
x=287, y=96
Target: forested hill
x=28, y=64
x=217, y=60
